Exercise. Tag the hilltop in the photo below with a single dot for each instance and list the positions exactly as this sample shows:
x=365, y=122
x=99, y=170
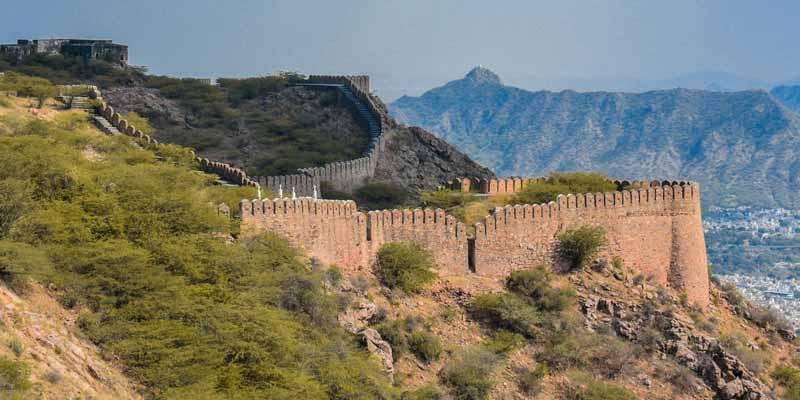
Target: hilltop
x=741, y=146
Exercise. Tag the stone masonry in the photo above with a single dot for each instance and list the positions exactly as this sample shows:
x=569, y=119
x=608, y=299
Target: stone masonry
x=655, y=229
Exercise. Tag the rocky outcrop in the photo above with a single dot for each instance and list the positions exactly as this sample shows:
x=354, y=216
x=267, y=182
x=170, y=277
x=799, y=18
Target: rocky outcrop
x=719, y=369
x=356, y=320
x=380, y=348
x=418, y=160
x=146, y=102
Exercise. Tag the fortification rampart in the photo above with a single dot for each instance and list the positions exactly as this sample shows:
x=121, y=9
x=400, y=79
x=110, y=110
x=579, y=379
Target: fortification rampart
x=490, y=186
x=330, y=230
x=342, y=175
x=655, y=229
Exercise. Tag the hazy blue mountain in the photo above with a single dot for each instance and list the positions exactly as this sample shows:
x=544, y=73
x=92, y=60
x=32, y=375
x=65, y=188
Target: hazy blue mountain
x=744, y=147
x=789, y=95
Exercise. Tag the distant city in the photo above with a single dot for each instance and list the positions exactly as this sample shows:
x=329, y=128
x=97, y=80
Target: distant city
x=781, y=296
x=758, y=250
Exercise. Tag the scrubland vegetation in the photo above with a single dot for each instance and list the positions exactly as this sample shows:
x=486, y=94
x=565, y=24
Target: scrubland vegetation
x=132, y=244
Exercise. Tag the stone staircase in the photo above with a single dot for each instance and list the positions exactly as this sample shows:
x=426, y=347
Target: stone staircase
x=81, y=103
x=373, y=125
x=104, y=125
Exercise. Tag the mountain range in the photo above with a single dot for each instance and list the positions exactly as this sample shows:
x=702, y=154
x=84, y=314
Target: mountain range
x=741, y=146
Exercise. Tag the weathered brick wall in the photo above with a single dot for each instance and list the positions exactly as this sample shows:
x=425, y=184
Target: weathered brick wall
x=330, y=230
x=442, y=234
x=345, y=175
x=655, y=230
x=303, y=184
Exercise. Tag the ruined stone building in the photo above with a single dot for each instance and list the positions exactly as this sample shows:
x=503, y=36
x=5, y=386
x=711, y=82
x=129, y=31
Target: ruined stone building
x=88, y=49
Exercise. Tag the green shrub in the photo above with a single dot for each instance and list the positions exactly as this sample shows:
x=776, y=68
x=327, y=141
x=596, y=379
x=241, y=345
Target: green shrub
x=446, y=199
x=19, y=263
x=4, y=101
x=429, y=392
x=15, y=346
x=599, y=390
x=596, y=352
x=789, y=378
x=394, y=332
x=504, y=341
x=425, y=346
x=564, y=183
x=535, y=284
x=14, y=379
x=580, y=245
x=380, y=196
x=407, y=266
x=28, y=86
x=16, y=198
x=530, y=381
x=141, y=123
x=506, y=311
x=240, y=90
x=468, y=375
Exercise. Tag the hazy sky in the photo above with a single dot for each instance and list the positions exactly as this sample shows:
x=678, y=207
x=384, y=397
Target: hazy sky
x=411, y=44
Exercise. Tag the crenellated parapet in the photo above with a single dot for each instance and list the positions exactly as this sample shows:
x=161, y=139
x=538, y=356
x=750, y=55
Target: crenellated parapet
x=653, y=226
x=433, y=229
x=655, y=229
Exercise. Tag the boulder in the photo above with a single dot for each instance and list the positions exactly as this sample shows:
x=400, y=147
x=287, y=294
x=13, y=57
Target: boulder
x=380, y=348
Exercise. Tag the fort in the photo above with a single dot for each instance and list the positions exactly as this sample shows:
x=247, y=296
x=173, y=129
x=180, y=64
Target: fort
x=654, y=227
x=88, y=49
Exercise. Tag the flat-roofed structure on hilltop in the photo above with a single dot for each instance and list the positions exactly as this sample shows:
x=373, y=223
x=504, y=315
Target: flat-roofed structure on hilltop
x=88, y=49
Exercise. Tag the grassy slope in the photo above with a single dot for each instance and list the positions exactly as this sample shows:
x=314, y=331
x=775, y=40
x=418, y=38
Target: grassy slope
x=444, y=310
x=132, y=244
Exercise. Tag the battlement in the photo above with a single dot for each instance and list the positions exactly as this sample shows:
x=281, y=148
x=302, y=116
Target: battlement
x=655, y=229
x=516, y=184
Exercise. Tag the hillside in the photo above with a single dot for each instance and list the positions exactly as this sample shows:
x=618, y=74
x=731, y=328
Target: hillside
x=789, y=95
x=741, y=146
x=131, y=241
x=128, y=237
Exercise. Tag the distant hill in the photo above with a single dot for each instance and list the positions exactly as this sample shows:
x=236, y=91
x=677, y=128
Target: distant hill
x=789, y=95
x=742, y=146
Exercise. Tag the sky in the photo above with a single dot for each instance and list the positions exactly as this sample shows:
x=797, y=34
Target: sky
x=409, y=46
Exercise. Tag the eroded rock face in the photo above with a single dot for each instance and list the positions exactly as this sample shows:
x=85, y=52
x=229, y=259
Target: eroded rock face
x=720, y=370
x=144, y=101
x=418, y=160
x=380, y=348
x=356, y=320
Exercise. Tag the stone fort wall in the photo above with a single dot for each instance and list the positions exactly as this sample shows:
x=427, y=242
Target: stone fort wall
x=654, y=229
x=342, y=175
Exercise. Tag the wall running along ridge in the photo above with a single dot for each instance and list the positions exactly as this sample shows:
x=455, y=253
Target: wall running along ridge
x=342, y=175
x=655, y=229
x=225, y=171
